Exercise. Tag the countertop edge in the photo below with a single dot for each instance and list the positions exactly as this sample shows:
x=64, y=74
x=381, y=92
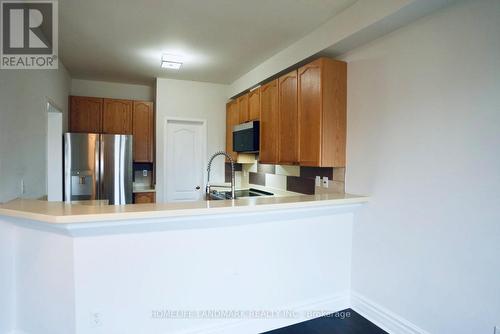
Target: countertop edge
x=29, y=216
x=201, y=211
x=175, y=213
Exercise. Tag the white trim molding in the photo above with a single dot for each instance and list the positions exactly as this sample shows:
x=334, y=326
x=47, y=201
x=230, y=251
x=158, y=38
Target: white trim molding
x=382, y=317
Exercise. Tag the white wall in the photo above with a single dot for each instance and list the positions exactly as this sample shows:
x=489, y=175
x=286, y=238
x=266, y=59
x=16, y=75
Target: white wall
x=36, y=281
x=23, y=127
x=424, y=142
x=112, y=90
x=45, y=284
x=275, y=261
x=7, y=280
x=195, y=100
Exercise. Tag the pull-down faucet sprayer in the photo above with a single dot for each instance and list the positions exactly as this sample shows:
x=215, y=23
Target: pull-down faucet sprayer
x=209, y=167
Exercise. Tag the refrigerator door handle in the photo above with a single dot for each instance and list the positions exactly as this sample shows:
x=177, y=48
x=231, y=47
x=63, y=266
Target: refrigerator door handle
x=102, y=190
x=97, y=168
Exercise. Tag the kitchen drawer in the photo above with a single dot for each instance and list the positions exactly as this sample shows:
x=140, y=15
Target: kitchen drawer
x=140, y=198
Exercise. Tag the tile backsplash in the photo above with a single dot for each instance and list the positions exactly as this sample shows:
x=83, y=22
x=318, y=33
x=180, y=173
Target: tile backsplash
x=301, y=185
x=291, y=178
x=257, y=178
x=266, y=169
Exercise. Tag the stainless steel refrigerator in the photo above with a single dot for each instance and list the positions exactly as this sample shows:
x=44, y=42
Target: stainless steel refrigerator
x=98, y=167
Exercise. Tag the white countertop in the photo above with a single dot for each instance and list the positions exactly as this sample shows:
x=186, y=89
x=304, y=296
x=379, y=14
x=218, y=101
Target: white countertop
x=143, y=189
x=64, y=213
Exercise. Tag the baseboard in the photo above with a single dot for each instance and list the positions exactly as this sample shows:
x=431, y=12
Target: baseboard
x=375, y=313
x=330, y=304
x=389, y=321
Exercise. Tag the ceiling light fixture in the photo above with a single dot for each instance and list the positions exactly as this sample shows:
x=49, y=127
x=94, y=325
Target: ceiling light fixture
x=171, y=62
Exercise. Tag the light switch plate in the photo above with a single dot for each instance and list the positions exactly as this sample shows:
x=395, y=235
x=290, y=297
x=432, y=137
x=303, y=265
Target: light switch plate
x=325, y=181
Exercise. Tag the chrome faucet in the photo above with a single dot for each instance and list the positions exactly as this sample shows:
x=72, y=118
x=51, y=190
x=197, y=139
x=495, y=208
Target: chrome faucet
x=207, y=189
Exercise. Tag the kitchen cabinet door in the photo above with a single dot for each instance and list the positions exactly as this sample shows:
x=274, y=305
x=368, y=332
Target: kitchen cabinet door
x=141, y=198
x=143, y=131
x=244, y=115
x=322, y=113
x=288, y=150
x=269, y=123
x=310, y=114
x=117, y=116
x=254, y=105
x=85, y=114
x=232, y=119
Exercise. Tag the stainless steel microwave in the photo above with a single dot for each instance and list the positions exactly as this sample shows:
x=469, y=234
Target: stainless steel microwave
x=246, y=137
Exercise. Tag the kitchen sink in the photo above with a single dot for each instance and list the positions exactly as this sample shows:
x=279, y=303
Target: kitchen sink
x=221, y=195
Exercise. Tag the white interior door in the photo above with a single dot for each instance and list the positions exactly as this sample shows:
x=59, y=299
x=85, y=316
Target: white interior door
x=185, y=158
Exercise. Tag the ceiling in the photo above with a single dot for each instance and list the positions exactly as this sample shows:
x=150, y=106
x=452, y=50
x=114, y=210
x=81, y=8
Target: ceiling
x=219, y=40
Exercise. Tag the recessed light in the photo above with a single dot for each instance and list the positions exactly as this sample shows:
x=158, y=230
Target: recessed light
x=171, y=62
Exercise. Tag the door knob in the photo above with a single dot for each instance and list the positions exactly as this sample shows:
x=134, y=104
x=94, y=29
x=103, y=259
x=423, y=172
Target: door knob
x=197, y=187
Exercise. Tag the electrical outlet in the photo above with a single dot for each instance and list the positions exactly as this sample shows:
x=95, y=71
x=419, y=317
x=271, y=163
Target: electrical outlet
x=95, y=319
x=144, y=172
x=325, y=181
x=318, y=181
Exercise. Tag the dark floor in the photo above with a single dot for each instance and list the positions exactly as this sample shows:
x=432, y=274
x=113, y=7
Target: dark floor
x=343, y=322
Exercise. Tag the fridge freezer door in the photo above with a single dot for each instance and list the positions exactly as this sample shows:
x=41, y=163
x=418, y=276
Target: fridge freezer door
x=81, y=166
x=116, y=169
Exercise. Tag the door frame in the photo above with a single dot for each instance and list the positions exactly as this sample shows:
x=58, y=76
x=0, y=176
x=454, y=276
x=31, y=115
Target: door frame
x=52, y=108
x=204, y=136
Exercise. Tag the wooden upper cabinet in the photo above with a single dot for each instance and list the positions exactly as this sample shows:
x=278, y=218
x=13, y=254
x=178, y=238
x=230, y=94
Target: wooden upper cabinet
x=269, y=123
x=143, y=131
x=302, y=115
x=254, y=105
x=232, y=119
x=85, y=114
x=322, y=95
x=310, y=114
x=113, y=116
x=244, y=115
x=288, y=152
x=117, y=116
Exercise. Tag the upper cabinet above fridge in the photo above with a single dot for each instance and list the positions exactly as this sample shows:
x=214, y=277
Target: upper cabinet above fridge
x=116, y=116
x=85, y=114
